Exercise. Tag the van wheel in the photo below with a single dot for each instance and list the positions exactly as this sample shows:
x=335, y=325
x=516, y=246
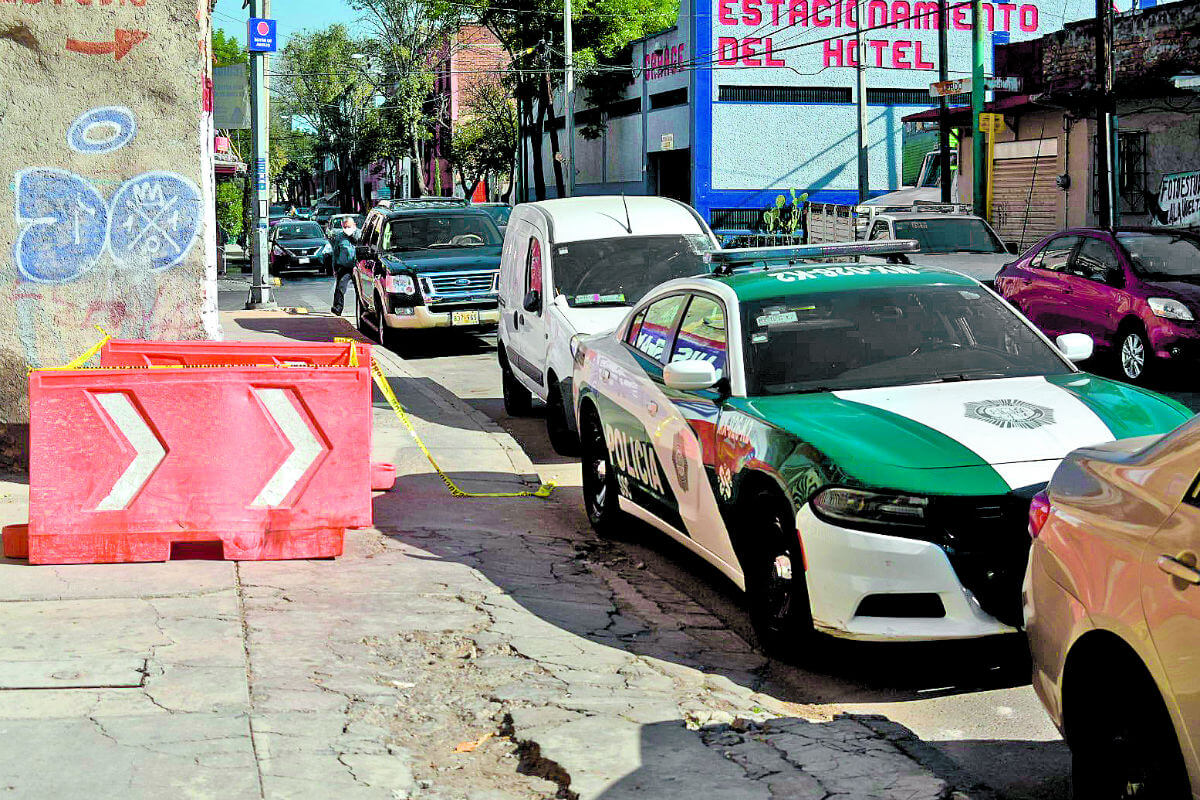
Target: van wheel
x=776, y=591
x=599, y=478
x=558, y=425
x=518, y=401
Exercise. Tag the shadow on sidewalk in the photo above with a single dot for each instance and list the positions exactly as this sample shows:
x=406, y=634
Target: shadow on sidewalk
x=545, y=558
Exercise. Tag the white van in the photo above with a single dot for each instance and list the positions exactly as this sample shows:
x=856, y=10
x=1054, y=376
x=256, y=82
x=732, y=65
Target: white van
x=576, y=266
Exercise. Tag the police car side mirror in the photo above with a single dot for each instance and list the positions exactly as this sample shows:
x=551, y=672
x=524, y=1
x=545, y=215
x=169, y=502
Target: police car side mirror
x=1075, y=346
x=690, y=376
x=533, y=301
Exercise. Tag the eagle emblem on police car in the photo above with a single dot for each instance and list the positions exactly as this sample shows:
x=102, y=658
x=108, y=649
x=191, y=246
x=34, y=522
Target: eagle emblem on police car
x=1009, y=413
x=679, y=459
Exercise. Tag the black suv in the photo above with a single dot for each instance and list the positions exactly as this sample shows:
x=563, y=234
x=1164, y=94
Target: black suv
x=424, y=266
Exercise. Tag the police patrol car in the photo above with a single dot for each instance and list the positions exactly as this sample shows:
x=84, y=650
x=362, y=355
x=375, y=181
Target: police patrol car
x=855, y=445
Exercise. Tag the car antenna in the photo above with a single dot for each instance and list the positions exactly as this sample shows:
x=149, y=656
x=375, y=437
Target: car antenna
x=628, y=221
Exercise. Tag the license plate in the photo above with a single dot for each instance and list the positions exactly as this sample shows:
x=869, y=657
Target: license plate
x=464, y=317
x=304, y=260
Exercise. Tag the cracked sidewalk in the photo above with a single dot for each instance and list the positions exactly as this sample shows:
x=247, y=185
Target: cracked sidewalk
x=462, y=650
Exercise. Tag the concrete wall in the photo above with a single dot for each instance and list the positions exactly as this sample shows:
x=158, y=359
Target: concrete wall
x=106, y=202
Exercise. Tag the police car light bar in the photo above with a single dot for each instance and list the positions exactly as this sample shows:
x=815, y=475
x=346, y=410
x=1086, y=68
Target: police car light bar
x=726, y=261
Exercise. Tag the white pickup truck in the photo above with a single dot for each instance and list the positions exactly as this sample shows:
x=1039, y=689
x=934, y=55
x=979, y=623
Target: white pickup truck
x=949, y=236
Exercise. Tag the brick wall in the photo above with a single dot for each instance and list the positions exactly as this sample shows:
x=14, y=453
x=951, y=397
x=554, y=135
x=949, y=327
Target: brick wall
x=1149, y=46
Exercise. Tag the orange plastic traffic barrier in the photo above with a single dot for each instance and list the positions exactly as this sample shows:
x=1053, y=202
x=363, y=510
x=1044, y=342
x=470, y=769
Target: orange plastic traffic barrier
x=139, y=353
x=255, y=462
x=342, y=353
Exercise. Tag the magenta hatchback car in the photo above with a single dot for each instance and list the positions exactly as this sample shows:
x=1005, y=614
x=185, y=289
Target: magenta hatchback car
x=1136, y=292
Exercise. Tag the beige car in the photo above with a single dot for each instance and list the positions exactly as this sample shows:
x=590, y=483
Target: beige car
x=1112, y=608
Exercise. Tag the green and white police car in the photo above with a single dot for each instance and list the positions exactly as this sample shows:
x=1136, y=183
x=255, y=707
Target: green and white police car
x=854, y=445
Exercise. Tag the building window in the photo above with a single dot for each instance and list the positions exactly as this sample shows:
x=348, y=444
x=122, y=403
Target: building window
x=784, y=94
x=625, y=108
x=1131, y=164
x=898, y=97
x=675, y=97
x=1131, y=173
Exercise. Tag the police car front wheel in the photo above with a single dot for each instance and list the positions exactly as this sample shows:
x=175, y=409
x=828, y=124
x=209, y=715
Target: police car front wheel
x=776, y=592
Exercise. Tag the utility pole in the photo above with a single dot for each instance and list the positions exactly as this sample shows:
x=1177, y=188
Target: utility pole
x=260, y=279
x=979, y=154
x=944, y=102
x=860, y=78
x=1106, y=167
x=569, y=90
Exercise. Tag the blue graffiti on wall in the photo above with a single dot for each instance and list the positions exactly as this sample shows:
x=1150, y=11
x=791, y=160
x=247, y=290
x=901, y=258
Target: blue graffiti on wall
x=66, y=224
x=102, y=130
x=155, y=218
x=152, y=221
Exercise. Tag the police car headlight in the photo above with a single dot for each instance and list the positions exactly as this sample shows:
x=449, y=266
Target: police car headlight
x=328, y=248
x=1170, y=309
x=400, y=284
x=838, y=505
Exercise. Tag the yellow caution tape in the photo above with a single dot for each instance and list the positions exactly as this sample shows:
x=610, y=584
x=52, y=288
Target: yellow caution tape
x=542, y=491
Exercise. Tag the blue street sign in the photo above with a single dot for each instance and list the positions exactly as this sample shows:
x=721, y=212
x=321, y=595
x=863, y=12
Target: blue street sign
x=260, y=35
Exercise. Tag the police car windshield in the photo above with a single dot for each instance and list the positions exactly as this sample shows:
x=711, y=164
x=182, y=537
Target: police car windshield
x=950, y=235
x=303, y=230
x=618, y=272
x=439, y=231
x=891, y=336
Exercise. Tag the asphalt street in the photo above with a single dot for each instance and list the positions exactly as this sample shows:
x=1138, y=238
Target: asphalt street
x=969, y=703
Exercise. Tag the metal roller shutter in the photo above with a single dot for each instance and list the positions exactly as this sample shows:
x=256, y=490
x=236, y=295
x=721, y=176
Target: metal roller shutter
x=1025, y=199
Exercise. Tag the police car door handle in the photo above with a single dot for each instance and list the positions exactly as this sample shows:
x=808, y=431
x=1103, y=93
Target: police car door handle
x=652, y=408
x=605, y=374
x=516, y=320
x=1177, y=569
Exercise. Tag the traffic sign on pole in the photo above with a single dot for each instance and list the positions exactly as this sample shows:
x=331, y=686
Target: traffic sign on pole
x=261, y=35
x=950, y=88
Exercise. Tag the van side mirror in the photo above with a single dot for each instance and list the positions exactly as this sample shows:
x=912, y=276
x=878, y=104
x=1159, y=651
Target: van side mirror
x=533, y=301
x=1012, y=248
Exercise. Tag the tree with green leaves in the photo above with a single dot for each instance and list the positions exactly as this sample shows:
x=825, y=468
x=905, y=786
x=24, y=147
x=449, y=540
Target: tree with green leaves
x=227, y=49
x=602, y=30
x=485, y=135
x=407, y=40
x=323, y=87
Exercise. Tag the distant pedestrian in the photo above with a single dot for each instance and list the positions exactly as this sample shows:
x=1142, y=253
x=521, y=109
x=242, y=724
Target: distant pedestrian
x=345, y=242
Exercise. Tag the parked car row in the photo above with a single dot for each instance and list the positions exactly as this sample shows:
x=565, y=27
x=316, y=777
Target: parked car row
x=866, y=445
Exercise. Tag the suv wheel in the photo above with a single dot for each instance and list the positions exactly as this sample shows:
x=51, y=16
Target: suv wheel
x=558, y=425
x=1134, y=356
x=776, y=592
x=1123, y=745
x=518, y=401
x=360, y=318
x=599, y=478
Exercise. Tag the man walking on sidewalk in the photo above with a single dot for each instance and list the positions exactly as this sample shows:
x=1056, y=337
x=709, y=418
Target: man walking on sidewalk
x=344, y=242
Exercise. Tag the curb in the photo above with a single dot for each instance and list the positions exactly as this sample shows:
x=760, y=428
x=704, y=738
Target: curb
x=444, y=398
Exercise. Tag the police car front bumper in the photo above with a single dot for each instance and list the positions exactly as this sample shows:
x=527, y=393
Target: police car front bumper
x=856, y=579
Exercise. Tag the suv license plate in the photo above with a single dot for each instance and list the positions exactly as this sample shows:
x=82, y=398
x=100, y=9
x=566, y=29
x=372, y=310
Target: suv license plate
x=303, y=260
x=464, y=317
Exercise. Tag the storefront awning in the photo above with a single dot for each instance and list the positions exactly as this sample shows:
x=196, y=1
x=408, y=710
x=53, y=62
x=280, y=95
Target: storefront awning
x=960, y=116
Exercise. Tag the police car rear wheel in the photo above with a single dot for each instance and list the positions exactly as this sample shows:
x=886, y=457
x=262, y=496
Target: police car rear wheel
x=776, y=592
x=599, y=478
